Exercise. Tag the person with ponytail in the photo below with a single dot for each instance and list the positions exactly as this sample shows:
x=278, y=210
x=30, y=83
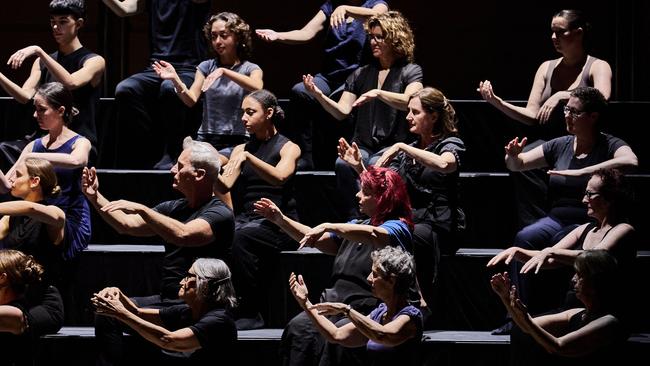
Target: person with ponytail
x=201, y=331
x=430, y=168
x=28, y=307
x=30, y=224
x=263, y=167
x=384, y=200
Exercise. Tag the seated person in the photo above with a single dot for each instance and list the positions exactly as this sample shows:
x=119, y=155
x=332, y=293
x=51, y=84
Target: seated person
x=28, y=307
x=200, y=331
x=391, y=332
x=591, y=334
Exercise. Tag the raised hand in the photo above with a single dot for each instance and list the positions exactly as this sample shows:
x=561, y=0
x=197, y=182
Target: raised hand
x=311, y=87
x=298, y=289
x=266, y=208
x=330, y=308
x=268, y=35
x=210, y=79
x=500, y=283
x=515, y=147
x=487, y=92
x=17, y=59
x=351, y=154
x=89, y=182
x=164, y=70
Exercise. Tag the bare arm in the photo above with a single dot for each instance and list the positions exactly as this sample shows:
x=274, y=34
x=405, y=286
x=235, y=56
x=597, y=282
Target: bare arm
x=444, y=163
x=303, y=35
x=339, y=110
x=398, y=101
x=25, y=93
x=47, y=214
x=517, y=161
x=125, y=8
x=624, y=157
x=282, y=171
x=367, y=234
x=76, y=159
x=248, y=83
x=12, y=320
x=601, y=76
x=90, y=73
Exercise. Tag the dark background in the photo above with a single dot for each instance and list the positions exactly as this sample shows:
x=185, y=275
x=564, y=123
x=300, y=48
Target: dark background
x=458, y=43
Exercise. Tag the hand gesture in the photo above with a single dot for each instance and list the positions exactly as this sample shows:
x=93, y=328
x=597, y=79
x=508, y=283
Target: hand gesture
x=17, y=59
x=311, y=87
x=545, y=111
x=537, y=261
x=164, y=70
x=125, y=206
x=234, y=164
x=89, y=182
x=505, y=256
x=350, y=154
x=313, y=235
x=487, y=92
x=338, y=17
x=266, y=208
x=268, y=35
x=514, y=147
x=388, y=155
x=298, y=289
x=329, y=308
x=366, y=97
x=216, y=74
x=500, y=284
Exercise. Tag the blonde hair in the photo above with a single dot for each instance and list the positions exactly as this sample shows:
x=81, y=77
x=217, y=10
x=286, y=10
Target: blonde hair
x=43, y=169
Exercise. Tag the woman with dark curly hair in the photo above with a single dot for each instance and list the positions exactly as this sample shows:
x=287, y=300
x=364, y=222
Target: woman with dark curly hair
x=225, y=80
x=384, y=199
x=379, y=93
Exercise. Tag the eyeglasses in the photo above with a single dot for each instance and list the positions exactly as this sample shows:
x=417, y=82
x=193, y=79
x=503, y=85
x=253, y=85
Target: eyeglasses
x=568, y=111
x=591, y=194
x=376, y=37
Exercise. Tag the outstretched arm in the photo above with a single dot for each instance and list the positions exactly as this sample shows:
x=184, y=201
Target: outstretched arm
x=125, y=8
x=444, y=163
x=303, y=35
x=398, y=101
x=367, y=234
x=50, y=215
x=517, y=160
x=23, y=94
x=339, y=110
x=77, y=158
x=624, y=157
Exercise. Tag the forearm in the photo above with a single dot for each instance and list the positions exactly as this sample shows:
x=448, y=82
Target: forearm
x=62, y=160
x=514, y=163
x=628, y=161
x=398, y=101
x=171, y=230
x=59, y=73
x=374, y=331
x=271, y=174
x=565, y=257
x=524, y=115
x=325, y=327
x=246, y=82
x=121, y=222
x=429, y=159
x=298, y=36
x=188, y=96
x=49, y=215
x=21, y=95
x=366, y=234
x=332, y=107
x=149, y=331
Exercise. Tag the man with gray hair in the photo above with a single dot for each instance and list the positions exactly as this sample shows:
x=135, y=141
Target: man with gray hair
x=197, y=225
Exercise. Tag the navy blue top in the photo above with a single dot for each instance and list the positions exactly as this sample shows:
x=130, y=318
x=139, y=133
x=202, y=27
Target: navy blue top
x=343, y=45
x=403, y=354
x=71, y=201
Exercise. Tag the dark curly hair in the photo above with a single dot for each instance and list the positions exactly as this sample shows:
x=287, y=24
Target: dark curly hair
x=236, y=25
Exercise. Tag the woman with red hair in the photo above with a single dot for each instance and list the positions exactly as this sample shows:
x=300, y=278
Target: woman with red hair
x=384, y=199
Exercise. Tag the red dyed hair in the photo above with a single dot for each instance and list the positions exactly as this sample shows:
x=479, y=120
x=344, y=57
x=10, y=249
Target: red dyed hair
x=390, y=191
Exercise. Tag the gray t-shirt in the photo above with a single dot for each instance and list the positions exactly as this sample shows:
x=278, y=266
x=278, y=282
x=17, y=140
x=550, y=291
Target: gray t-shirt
x=222, y=101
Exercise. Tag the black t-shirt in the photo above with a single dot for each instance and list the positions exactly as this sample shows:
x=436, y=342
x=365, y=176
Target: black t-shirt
x=376, y=124
x=566, y=193
x=179, y=259
x=216, y=332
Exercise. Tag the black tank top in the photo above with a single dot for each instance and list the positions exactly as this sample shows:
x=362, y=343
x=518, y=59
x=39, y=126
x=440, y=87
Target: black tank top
x=86, y=98
x=250, y=187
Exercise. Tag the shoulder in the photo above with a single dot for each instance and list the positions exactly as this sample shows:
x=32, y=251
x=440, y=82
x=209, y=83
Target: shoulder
x=167, y=207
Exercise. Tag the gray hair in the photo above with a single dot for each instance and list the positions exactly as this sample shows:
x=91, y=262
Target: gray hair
x=397, y=263
x=214, y=283
x=204, y=156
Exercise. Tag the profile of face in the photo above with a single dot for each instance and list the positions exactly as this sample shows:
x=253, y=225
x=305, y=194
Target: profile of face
x=583, y=288
x=187, y=291
x=183, y=172
x=378, y=44
x=47, y=117
x=382, y=286
x=224, y=42
x=420, y=121
x=367, y=201
x=561, y=33
x=22, y=184
x=254, y=116
x=65, y=28
x=597, y=206
x=577, y=119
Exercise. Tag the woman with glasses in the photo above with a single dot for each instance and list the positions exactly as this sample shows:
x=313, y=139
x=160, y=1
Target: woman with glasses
x=550, y=91
x=378, y=93
x=200, y=331
x=224, y=79
x=571, y=160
